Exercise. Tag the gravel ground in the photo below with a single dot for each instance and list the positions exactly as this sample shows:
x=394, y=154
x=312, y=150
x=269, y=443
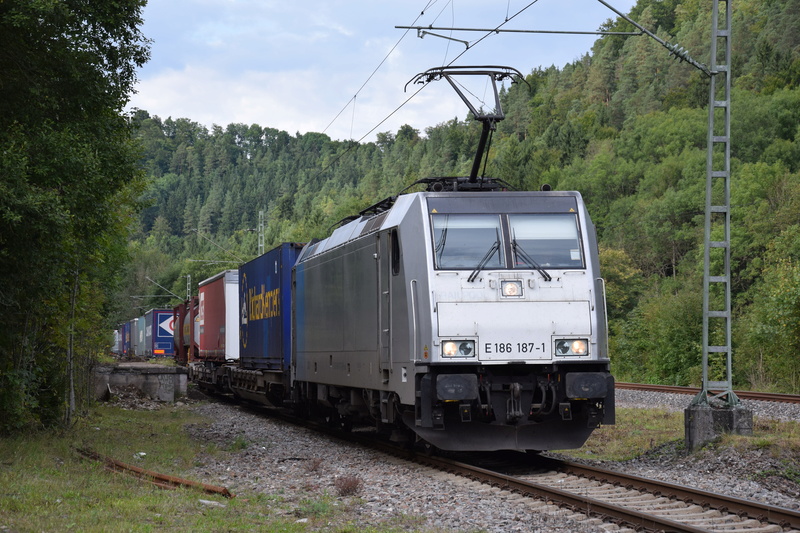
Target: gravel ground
x=729, y=472
x=298, y=464
x=295, y=465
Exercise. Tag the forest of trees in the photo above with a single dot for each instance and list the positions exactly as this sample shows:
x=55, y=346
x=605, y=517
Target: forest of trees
x=625, y=125
x=87, y=219
x=69, y=179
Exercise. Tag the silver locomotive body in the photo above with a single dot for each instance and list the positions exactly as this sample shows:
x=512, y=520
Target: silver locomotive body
x=475, y=320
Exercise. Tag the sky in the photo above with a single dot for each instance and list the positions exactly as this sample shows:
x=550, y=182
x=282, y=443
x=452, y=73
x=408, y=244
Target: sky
x=341, y=67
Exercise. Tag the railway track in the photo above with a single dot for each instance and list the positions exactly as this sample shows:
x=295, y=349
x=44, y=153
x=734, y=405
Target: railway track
x=744, y=395
x=677, y=504
x=629, y=501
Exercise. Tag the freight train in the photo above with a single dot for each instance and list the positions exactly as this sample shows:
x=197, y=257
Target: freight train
x=466, y=317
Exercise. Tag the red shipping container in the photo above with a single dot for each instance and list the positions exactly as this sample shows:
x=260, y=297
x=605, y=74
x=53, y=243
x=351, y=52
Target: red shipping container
x=219, y=317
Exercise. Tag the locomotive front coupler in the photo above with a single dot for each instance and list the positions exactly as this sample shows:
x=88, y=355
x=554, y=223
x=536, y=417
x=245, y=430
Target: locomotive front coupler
x=514, y=403
x=465, y=410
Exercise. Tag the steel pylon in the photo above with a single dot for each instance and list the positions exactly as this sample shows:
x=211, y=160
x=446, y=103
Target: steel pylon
x=717, y=349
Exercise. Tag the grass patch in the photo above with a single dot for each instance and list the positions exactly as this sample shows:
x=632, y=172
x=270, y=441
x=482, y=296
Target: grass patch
x=636, y=432
x=239, y=444
x=319, y=507
x=46, y=486
x=639, y=431
x=778, y=439
x=775, y=437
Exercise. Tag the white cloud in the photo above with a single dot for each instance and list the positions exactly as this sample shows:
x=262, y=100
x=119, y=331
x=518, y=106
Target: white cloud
x=295, y=65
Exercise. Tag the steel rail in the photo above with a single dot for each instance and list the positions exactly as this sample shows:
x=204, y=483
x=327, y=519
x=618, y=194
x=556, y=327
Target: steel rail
x=756, y=510
x=746, y=395
x=160, y=480
x=582, y=504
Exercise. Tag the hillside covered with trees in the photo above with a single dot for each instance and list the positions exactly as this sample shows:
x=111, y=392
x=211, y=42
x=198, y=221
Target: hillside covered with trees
x=625, y=125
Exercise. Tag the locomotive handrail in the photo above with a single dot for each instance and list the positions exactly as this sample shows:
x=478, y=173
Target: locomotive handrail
x=605, y=311
x=413, y=286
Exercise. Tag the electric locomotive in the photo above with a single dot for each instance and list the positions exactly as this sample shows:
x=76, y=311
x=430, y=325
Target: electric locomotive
x=476, y=320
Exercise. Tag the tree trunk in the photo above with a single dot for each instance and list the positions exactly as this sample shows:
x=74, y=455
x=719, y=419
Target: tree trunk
x=71, y=349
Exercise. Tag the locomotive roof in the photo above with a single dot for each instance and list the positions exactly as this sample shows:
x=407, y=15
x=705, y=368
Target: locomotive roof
x=393, y=210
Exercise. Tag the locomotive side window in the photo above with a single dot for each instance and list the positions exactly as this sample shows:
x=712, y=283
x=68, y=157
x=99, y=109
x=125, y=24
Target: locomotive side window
x=395, y=252
x=465, y=241
x=551, y=240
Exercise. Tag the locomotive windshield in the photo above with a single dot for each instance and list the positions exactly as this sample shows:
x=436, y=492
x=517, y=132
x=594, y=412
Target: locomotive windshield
x=545, y=240
x=552, y=240
x=464, y=241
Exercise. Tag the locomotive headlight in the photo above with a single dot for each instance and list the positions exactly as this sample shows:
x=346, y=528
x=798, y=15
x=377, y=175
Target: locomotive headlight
x=579, y=347
x=572, y=347
x=511, y=288
x=458, y=348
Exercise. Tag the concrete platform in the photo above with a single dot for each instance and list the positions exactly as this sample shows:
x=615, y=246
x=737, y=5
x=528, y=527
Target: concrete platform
x=159, y=382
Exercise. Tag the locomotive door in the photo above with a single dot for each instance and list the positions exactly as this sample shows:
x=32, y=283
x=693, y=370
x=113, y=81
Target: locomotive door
x=384, y=264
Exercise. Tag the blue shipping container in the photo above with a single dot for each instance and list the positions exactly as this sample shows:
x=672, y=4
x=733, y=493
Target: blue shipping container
x=159, y=332
x=265, y=299
x=125, y=327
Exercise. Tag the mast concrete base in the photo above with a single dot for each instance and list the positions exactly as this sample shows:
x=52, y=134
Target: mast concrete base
x=703, y=423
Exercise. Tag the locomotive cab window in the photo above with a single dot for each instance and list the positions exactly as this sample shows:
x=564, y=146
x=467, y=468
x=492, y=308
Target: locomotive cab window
x=466, y=241
x=395, y=252
x=550, y=240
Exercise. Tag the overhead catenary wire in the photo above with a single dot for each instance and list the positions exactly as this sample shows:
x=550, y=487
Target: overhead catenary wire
x=491, y=32
x=429, y=4
x=387, y=117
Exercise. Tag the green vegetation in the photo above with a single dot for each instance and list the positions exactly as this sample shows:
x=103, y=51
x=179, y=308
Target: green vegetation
x=49, y=487
x=637, y=431
x=779, y=441
x=644, y=431
x=69, y=176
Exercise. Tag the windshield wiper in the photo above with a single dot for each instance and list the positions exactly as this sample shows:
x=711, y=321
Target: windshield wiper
x=489, y=254
x=528, y=259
